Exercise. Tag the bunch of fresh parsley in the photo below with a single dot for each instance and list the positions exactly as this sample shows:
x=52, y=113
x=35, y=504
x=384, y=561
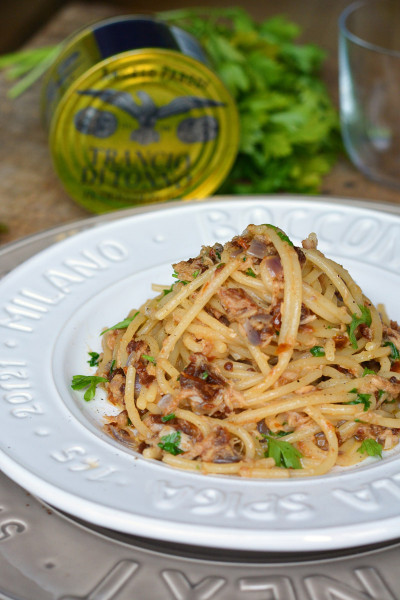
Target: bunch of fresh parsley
x=289, y=126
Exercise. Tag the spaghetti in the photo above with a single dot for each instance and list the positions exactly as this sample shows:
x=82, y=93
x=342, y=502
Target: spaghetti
x=261, y=360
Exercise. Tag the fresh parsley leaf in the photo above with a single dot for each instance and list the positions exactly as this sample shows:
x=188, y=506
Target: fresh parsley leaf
x=168, y=417
x=170, y=443
x=196, y=273
x=244, y=258
x=250, y=272
x=370, y=447
x=394, y=353
x=111, y=367
x=94, y=359
x=149, y=358
x=90, y=381
x=317, y=351
x=365, y=319
x=168, y=290
x=368, y=372
x=122, y=324
x=290, y=134
x=204, y=375
x=380, y=394
x=361, y=399
x=284, y=454
x=280, y=233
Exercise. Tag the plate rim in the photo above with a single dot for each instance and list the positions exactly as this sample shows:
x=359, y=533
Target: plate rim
x=354, y=536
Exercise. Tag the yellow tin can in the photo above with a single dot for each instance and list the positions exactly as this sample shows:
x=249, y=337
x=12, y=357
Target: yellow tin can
x=136, y=115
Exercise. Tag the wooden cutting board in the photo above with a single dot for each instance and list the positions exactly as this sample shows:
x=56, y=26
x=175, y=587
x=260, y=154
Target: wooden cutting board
x=31, y=196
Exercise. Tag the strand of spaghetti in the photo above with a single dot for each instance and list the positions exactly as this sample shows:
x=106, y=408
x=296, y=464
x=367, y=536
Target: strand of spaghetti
x=337, y=410
x=290, y=310
x=105, y=360
x=376, y=353
x=311, y=362
x=349, y=281
x=306, y=431
x=375, y=419
x=283, y=390
x=146, y=396
x=376, y=327
x=319, y=305
x=201, y=331
x=202, y=466
x=260, y=358
x=263, y=473
x=198, y=421
x=208, y=290
x=349, y=454
x=333, y=449
x=244, y=436
x=168, y=368
x=180, y=294
x=216, y=325
x=164, y=385
x=312, y=276
x=130, y=403
x=280, y=406
x=329, y=268
x=251, y=282
x=122, y=355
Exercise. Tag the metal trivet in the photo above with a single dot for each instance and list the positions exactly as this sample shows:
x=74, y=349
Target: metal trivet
x=47, y=555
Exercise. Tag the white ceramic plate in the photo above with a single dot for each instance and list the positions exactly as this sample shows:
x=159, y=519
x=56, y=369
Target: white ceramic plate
x=52, y=309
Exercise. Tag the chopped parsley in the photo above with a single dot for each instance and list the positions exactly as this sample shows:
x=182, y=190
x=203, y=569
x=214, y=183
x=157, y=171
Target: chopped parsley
x=365, y=319
x=168, y=417
x=280, y=433
x=90, y=381
x=168, y=290
x=250, y=272
x=175, y=274
x=94, y=359
x=280, y=233
x=394, y=353
x=284, y=454
x=122, y=324
x=317, y=351
x=244, y=258
x=380, y=394
x=360, y=399
x=149, y=358
x=170, y=443
x=205, y=375
x=370, y=447
x=196, y=273
x=368, y=372
x=112, y=366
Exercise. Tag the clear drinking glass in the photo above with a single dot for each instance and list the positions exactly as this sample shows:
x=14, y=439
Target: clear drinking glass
x=369, y=84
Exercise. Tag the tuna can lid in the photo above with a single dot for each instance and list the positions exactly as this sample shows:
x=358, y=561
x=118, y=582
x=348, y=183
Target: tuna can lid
x=144, y=126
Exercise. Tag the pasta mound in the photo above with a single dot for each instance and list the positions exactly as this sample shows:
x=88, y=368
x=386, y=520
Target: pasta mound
x=261, y=360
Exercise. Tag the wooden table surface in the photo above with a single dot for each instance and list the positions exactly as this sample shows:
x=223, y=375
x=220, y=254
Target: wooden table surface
x=31, y=196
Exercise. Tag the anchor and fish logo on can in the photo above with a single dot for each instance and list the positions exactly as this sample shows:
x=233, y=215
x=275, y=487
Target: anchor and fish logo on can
x=103, y=123
x=141, y=125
